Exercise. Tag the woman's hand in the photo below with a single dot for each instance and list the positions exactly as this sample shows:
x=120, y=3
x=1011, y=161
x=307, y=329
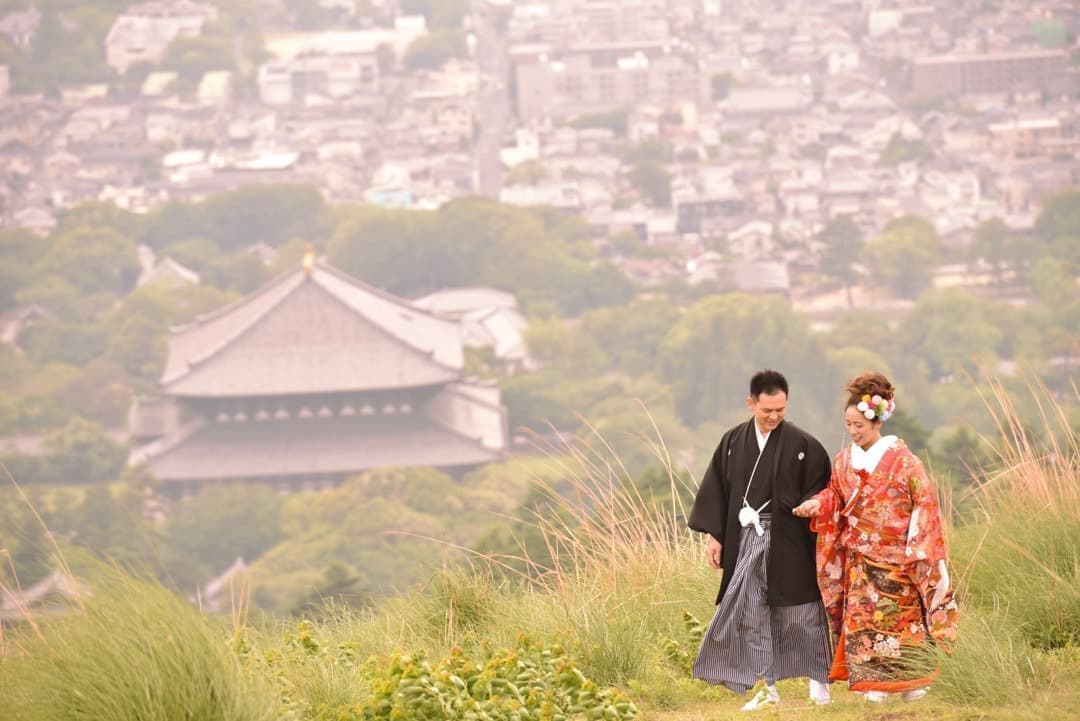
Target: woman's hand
x=713, y=551
x=807, y=509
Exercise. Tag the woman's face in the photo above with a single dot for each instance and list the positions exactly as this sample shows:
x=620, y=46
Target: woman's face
x=864, y=432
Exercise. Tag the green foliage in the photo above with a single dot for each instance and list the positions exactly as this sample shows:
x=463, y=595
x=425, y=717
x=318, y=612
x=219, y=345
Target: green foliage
x=681, y=652
x=1060, y=218
x=225, y=522
x=629, y=334
x=137, y=653
x=110, y=523
x=714, y=348
x=58, y=341
x=387, y=524
x=431, y=51
x=473, y=242
x=863, y=329
x=653, y=182
x=192, y=57
x=532, y=681
x=900, y=150
x=99, y=214
x=529, y=172
x=1051, y=33
x=272, y=214
x=962, y=455
x=82, y=452
x=993, y=243
x=614, y=120
x=903, y=258
x=439, y=13
x=849, y=361
x=27, y=548
x=549, y=396
x=93, y=260
x=720, y=85
x=339, y=588
x=843, y=244
x=951, y=331
x=66, y=50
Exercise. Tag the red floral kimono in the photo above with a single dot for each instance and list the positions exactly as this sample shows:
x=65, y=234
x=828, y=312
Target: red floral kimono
x=881, y=569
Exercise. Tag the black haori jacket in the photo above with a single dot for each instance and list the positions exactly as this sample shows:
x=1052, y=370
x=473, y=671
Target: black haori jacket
x=800, y=468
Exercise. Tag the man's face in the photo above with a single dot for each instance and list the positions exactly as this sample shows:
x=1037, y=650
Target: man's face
x=768, y=409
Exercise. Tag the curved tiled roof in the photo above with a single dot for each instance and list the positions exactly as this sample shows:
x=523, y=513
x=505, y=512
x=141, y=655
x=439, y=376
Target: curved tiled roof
x=302, y=333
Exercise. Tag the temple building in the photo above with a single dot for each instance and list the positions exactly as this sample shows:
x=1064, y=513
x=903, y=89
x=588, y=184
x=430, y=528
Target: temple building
x=310, y=379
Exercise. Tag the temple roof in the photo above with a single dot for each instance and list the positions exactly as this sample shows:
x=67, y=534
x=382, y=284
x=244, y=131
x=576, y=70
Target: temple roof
x=302, y=333
x=271, y=449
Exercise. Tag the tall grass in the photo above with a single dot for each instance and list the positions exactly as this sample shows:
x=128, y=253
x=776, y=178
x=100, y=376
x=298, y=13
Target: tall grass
x=136, y=652
x=1023, y=548
x=1018, y=557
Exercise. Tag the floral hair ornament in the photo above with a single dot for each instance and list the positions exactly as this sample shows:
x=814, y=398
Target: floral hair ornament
x=876, y=407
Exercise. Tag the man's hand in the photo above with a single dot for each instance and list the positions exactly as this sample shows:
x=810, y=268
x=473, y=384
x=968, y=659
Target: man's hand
x=807, y=509
x=713, y=550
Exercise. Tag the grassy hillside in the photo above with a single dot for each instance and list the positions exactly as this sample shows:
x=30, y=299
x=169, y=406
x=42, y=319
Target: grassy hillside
x=609, y=621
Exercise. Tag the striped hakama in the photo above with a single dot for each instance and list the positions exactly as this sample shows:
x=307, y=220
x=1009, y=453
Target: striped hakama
x=748, y=640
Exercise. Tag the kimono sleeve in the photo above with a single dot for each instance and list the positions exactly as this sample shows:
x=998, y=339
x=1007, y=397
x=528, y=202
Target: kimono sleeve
x=709, y=512
x=816, y=469
x=830, y=552
x=925, y=551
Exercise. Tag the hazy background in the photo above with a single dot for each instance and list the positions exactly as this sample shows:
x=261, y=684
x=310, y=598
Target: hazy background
x=675, y=194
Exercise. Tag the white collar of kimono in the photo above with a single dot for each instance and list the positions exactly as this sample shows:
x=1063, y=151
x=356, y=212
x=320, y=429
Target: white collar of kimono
x=762, y=438
x=867, y=460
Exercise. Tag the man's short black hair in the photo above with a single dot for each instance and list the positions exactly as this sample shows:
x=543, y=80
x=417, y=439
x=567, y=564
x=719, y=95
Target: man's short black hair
x=767, y=382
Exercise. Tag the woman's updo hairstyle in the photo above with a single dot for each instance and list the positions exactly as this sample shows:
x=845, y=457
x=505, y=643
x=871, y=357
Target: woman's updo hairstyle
x=872, y=394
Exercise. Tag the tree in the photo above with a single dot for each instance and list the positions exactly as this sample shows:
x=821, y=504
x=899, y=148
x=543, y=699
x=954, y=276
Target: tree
x=224, y=522
x=991, y=244
x=904, y=257
x=192, y=57
x=843, y=243
x=962, y=454
x=139, y=346
x=905, y=425
x=272, y=214
x=714, y=348
x=82, y=452
x=340, y=585
x=950, y=331
x=431, y=51
x=100, y=214
x=60, y=341
x=94, y=260
x=653, y=182
x=900, y=150
x=1060, y=299
x=849, y=361
x=529, y=172
x=862, y=329
x=631, y=335
x=439, y=13
x=614, y=120
x=193, y=253
x=473, y=241
x=101, y=393
x=720, y=84
x=1060, y=215
x=1058, y=225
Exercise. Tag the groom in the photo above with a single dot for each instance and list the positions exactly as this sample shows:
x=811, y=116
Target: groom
x=769, y=622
